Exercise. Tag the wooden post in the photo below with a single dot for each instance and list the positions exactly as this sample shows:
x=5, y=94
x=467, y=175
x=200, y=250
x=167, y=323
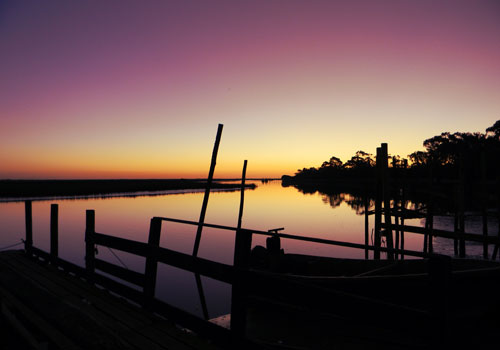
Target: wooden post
x=426, y=235
x=429, y=226
x=54, y=231
x=152, y=261
x=242, y=250
x=387, y=201
x=367, y=236
x=461, y=208
x=495, y=250
x=89, y=244
x=378, y=204
x=28, y=217
x=455, y=229
x=440, y=276
x=403, y=213
x=242, y=196
x=396, y=222
x=207, y=191
x=484, y=203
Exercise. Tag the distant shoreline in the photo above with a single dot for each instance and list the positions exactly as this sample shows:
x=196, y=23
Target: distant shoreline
x=41, y=188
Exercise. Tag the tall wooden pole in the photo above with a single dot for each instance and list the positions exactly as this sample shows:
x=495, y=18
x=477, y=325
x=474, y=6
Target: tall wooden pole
x=387, y=201
x=242, y=197
x=207, y=191
x=28, y=216
x=54, y=230
x=367, y=239
x=378, y=205
x=484, y=203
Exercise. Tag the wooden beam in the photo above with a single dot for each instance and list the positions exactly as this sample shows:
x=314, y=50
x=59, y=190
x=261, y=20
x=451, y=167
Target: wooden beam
x=448, y=234
x=120, y=272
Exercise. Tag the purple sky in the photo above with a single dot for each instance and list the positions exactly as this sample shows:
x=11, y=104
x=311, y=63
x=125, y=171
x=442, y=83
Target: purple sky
x=137, y=88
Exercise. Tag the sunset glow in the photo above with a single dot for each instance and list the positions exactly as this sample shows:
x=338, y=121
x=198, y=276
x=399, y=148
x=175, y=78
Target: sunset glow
x=131, y=89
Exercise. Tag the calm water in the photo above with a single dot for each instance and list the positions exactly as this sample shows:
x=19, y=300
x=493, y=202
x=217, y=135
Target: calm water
x=268, y=206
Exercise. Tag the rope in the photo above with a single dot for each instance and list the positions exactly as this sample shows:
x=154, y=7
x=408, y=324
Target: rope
x=11, y=246
x=118, y=258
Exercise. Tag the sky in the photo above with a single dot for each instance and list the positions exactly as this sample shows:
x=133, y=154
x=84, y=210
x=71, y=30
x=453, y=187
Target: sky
x=136, y=89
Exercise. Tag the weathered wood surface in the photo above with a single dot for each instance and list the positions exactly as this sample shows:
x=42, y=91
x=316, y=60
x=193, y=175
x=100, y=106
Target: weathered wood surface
x=68, y=313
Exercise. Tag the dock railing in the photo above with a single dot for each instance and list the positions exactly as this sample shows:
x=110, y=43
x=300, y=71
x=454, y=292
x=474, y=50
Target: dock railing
x=247, y=283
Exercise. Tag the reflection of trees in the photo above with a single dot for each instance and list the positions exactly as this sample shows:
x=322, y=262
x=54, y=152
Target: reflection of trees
x=357, y=202
x=446, y=156
x=334, y=200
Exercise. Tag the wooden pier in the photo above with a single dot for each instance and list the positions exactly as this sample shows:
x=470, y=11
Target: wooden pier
x=50, y=308
x=57, y=304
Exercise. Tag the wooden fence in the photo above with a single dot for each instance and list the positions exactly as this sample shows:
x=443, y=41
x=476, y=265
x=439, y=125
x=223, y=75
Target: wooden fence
x=247, y=284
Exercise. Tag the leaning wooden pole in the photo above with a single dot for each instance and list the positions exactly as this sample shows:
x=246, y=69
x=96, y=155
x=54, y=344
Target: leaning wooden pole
x=242, y=197
x=207, y=191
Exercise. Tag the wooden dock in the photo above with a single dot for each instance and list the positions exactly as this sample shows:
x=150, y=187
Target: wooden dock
x=50, y=308
x=55, y=304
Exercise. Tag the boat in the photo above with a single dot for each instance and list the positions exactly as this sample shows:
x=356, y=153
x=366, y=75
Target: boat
x=412, y=303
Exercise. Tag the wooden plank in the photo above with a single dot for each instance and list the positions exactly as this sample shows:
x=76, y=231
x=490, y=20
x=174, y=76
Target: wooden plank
x=21, y=329
x=127, y=320
x=125, y=245
x=77, y=301
x=188, y=320
x=97, y=297
x=120, y=272
x=60, y=263
x=60, y=313
x=121, y=289
x=448, y=234
x=204, y=267
x=53, y=334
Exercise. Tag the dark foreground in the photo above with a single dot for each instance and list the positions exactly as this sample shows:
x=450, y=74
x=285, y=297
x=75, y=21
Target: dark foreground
x=40, y=188
x=45, y=307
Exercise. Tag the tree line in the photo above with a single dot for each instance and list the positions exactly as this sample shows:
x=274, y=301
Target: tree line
x=448, y=155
